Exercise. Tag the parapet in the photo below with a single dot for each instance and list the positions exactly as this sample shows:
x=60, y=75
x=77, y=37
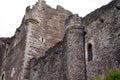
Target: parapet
x=73, y=22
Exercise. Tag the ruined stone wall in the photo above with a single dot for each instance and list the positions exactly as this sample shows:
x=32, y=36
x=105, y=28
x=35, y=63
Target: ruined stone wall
x=103, y=33
x=47, y=28
x=13, y=55
x=42, y=49
x=64, y=61
x=42, y=27
x=2, y=51
x=52, y=66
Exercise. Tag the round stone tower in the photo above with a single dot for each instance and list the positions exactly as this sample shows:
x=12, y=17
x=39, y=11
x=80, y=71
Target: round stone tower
x=75, y=48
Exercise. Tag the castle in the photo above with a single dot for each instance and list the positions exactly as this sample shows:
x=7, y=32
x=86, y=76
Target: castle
x=54, y=44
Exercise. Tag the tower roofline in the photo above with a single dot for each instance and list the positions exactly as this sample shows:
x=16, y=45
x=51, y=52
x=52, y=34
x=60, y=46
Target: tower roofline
x=73, y=22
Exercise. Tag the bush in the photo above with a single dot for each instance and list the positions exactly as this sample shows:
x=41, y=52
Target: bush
x=115, y=75
x=111, y=75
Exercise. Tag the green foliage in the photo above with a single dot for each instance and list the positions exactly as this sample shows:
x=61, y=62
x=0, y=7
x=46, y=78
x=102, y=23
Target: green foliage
x=115, y=75
x=97, y=77
x=34, y=21
x=111, y=75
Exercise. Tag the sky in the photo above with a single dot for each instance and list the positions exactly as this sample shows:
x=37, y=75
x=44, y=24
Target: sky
x=12, y=11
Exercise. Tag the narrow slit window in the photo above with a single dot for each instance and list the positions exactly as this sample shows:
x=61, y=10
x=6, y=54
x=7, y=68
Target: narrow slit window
x=90, y=54
x=42, y=39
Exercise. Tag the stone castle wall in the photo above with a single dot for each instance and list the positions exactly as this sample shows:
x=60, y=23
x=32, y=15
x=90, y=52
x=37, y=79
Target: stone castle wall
x=103, y=33
x=48, y=47
x=12, y=56
x=42, y=27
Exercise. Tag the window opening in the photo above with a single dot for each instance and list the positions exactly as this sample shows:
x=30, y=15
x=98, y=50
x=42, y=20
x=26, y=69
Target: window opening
x=90, y=54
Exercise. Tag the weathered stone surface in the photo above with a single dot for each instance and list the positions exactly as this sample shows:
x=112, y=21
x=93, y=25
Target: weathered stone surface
x=48, y=47
x=42, y=27
x=13, y=55
x=103, y=33
x=75, y=49
x=50, y=67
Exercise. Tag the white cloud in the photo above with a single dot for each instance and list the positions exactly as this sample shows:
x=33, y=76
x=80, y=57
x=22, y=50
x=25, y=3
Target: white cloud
x=82, y=7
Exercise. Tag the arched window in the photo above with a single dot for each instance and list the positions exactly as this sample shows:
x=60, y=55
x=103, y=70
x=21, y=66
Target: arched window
x=90, y=54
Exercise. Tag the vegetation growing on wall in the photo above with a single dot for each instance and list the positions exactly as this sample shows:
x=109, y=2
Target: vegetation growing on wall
x=111, y=75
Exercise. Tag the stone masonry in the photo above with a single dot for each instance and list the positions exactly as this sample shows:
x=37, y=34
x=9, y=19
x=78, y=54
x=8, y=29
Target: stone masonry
x=54, y=44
